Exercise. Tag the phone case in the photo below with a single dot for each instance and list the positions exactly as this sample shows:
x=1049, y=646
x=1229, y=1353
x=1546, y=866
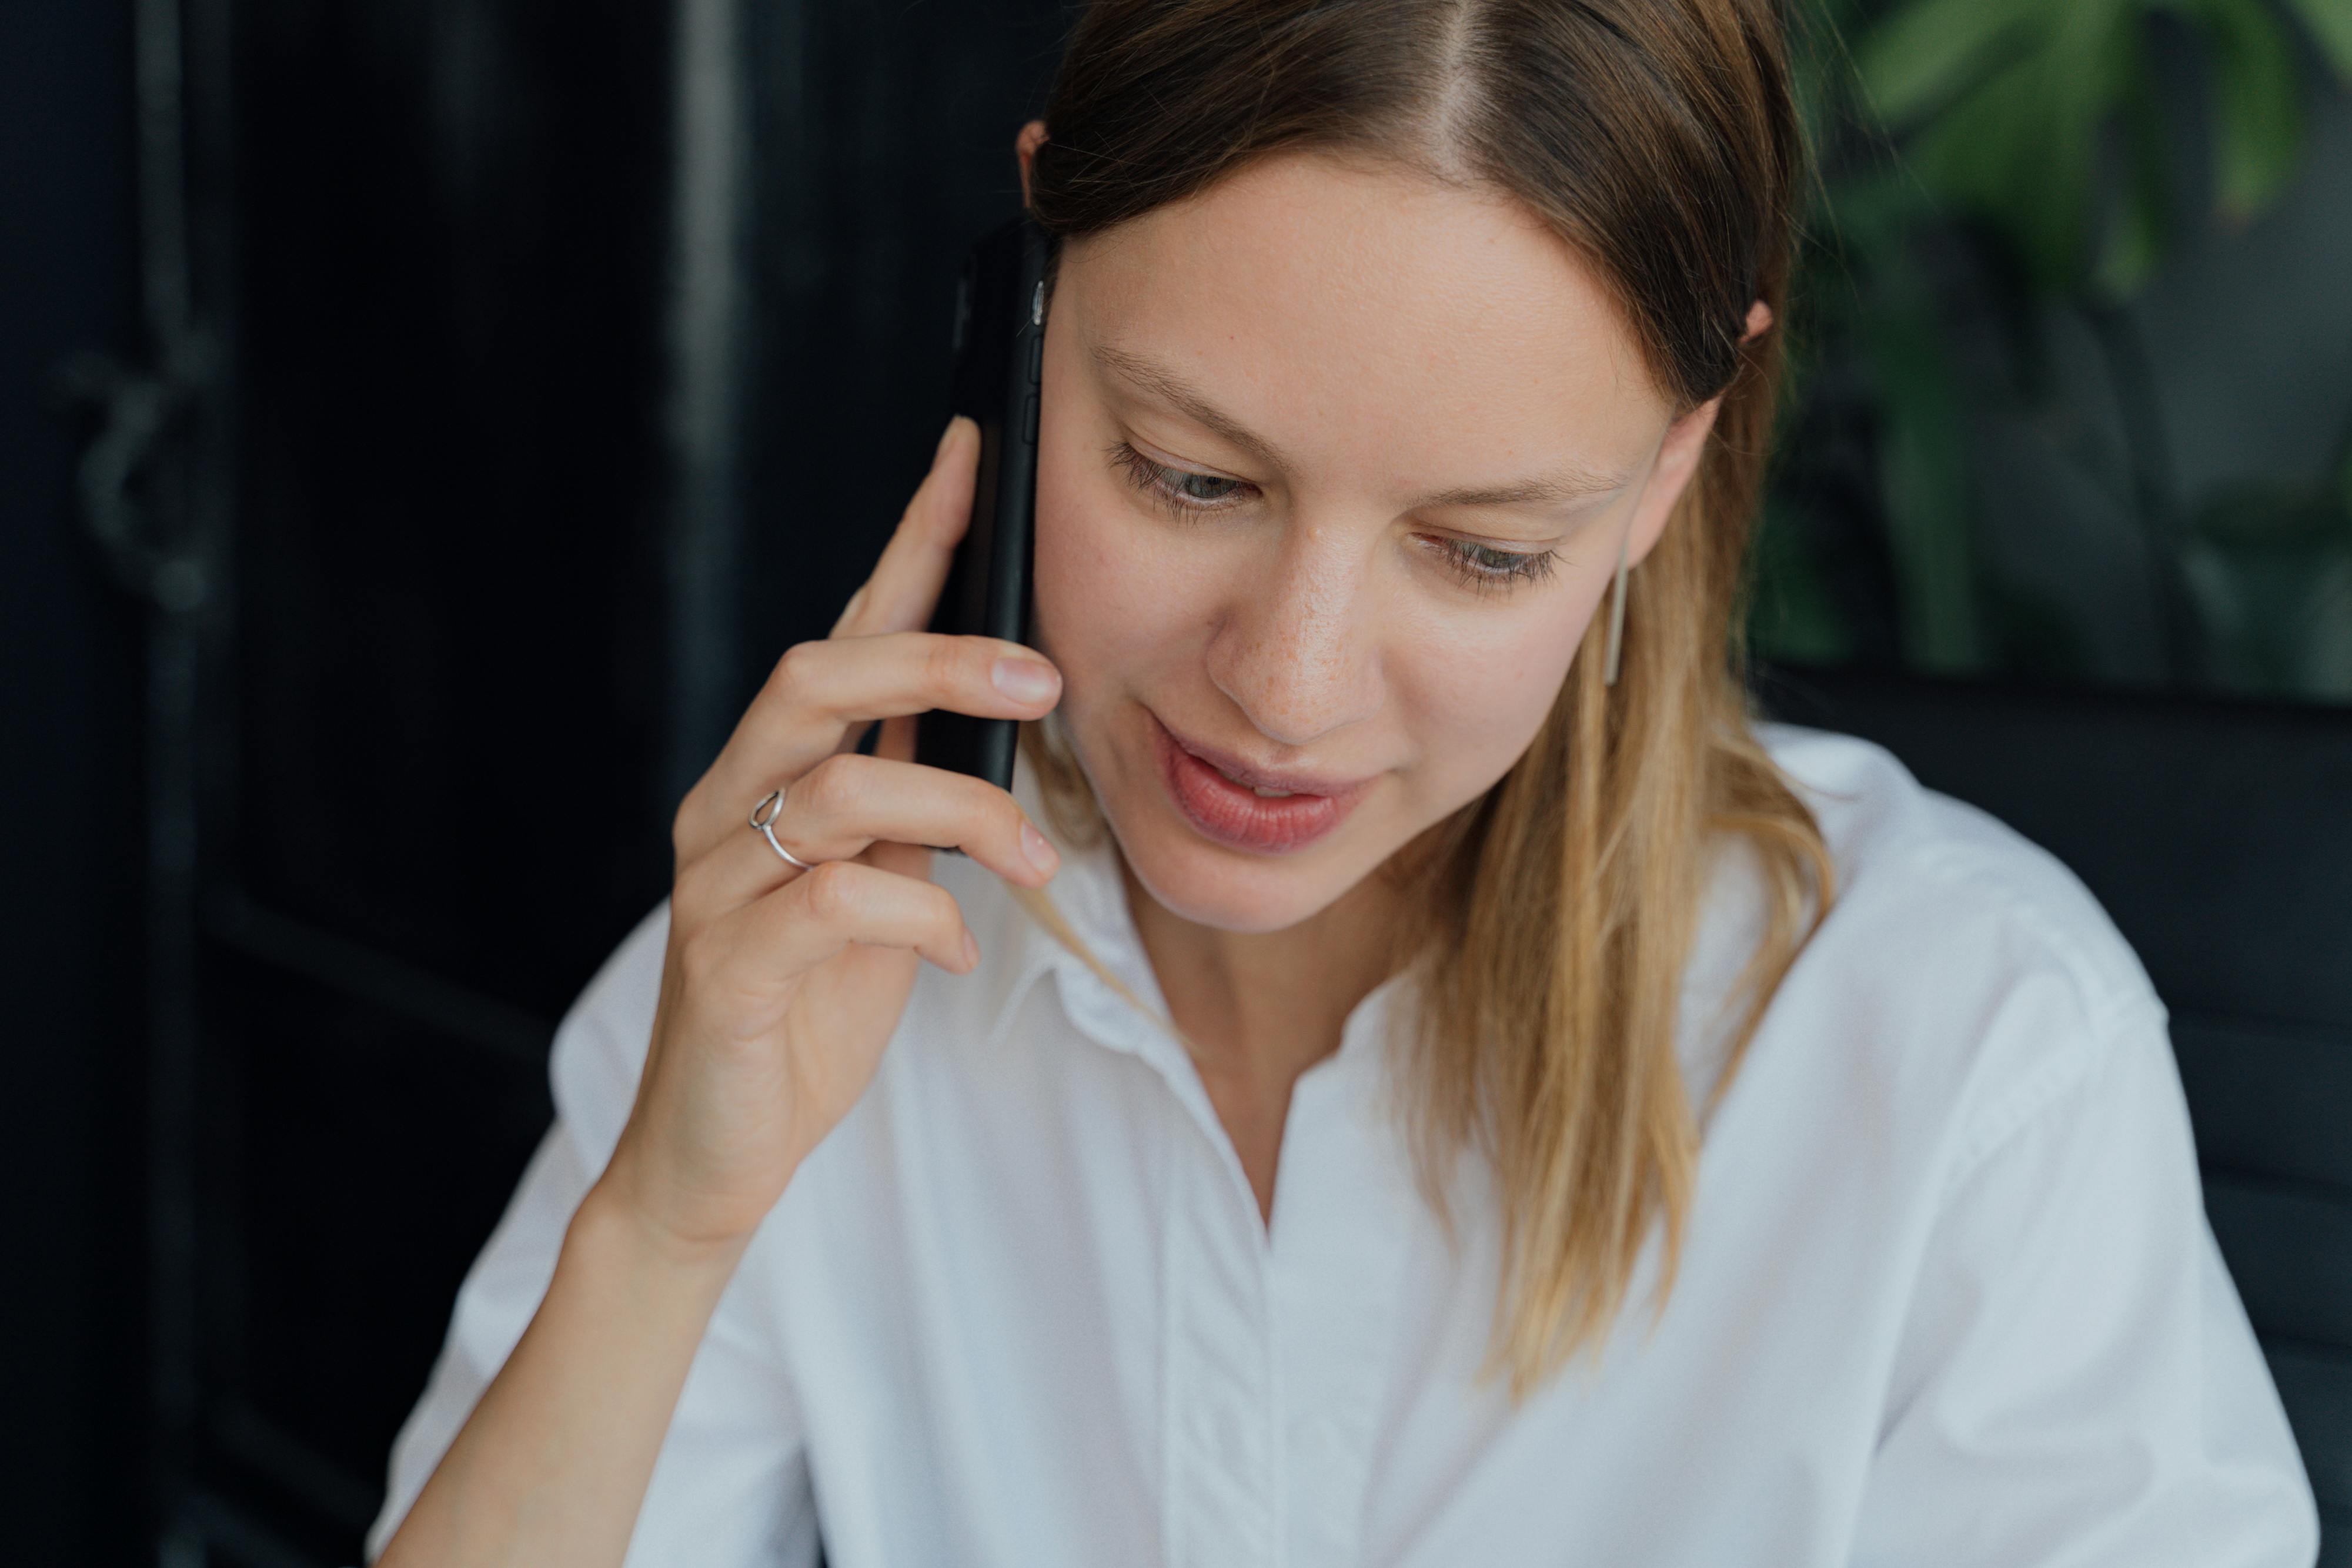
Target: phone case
x=1000, y=341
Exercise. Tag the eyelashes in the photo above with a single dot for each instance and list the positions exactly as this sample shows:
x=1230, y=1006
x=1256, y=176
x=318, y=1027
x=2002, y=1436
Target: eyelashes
x=1173, y=485
x=1184, y=492
x=1483, y=566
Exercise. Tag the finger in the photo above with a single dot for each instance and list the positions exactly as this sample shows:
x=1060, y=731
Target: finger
x=904, y=585
x=896, y=740
x=839, y=684
x=848, y=803
x=907, y=860
x=821, y=691
x=880, y=810
x=814, y=916
x=737, y=870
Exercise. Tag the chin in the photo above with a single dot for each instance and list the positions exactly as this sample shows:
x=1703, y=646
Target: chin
x=1208, y=885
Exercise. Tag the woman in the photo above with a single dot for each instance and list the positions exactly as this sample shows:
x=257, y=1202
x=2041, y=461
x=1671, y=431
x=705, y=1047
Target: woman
x=1458, y=1093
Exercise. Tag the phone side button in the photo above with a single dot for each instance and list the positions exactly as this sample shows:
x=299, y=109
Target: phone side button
x=1036, y=358
x=1029, y=420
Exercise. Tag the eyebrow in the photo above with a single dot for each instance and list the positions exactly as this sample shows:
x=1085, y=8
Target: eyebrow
x=1575, y=486
x=1157, y=381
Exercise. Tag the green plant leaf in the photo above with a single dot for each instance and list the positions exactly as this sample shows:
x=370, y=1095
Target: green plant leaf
x=2019, y=146
x=2015, y=151
x=1792, y=615
x=2257, y=103
x=2330, y=22
x=2002, y=105
x=2275, y=517
x=1923, y=480
x=2136, y=238
x=2270, y=567
x=1918, y=58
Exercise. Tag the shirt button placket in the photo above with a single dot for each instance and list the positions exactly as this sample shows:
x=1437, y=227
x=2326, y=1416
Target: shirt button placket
x=1219, y=1377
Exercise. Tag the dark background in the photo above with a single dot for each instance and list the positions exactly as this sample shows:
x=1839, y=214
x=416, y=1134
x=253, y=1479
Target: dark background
x=473, y=521
x=514, y=381
x=70, y=934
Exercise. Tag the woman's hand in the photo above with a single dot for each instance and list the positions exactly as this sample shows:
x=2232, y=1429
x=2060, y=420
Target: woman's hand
x=778, y=991
x=781, y=986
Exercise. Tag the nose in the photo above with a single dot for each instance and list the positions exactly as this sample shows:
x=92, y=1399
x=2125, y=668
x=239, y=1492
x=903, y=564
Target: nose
x=1295, y=648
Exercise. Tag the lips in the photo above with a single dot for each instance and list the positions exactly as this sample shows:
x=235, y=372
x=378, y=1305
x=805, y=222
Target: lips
x=1218, y=794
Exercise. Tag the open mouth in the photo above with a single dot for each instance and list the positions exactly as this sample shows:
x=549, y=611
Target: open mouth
x=1235, y=810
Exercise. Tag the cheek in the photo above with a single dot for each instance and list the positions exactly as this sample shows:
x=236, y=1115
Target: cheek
x=1477, y=693
x=1112, y=601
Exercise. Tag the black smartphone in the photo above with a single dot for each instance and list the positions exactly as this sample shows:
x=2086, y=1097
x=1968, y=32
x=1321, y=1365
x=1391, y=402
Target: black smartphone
x=1000, y=345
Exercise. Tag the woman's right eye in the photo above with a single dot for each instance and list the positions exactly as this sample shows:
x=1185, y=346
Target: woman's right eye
x=1180, y=489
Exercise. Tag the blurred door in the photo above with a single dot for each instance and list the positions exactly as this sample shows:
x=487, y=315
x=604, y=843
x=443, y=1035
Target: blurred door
x=563, y=364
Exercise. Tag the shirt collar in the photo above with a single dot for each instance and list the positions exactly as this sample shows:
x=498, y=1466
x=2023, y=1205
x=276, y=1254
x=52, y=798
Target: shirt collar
x=1091, y=893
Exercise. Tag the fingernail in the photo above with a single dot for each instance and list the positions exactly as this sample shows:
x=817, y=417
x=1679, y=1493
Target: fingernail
x=1039, y=852
x=971, y=953
x=940, y=450
x=1026, y=680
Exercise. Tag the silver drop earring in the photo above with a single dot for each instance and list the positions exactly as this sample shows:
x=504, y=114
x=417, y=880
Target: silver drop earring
x=1616, y=620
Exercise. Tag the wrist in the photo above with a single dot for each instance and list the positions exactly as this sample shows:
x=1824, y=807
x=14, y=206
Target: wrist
x=616, y=1229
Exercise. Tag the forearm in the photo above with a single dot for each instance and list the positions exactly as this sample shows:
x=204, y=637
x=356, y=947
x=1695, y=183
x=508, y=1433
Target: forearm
x=552, y=1465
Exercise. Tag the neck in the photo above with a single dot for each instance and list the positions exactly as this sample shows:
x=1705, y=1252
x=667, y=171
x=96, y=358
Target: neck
x=1261, y=1007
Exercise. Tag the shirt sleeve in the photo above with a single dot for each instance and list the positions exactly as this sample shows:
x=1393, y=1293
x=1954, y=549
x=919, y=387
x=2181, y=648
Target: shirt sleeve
x=730, y=1488
x=2077, y=1385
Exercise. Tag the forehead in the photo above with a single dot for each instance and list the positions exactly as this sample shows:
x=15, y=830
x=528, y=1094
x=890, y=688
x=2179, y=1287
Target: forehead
x=1355, y=307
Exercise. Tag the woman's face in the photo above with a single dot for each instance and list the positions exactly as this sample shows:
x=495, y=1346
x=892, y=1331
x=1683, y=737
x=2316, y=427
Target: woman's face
x=1334, y=464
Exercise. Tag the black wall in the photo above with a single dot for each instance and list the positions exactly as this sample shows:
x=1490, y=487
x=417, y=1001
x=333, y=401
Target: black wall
x=448, y=673
x=434, y=703
x=70, y=1375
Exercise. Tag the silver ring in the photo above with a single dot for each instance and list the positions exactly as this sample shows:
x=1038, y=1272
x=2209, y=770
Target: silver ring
x=763, y=817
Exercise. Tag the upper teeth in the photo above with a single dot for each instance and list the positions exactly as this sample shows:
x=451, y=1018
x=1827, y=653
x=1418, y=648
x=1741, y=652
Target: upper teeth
x=1258, y=790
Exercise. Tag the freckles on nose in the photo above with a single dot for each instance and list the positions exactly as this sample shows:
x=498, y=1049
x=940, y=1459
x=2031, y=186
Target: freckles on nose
x=1303, y=664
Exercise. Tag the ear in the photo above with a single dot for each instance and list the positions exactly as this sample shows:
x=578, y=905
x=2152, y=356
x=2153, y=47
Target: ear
x=1024, y=147
x=1676, y=463
x=1679, y=456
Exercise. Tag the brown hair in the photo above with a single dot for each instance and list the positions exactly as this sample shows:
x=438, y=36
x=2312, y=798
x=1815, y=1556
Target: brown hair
x=1658, y=139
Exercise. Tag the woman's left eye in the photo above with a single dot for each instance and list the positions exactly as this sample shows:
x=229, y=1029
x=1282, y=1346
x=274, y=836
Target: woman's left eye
x=1180, y=488
x=1485, y=567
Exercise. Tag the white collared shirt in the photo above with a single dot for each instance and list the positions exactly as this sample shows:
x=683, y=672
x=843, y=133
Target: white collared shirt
x=1947, y=1295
